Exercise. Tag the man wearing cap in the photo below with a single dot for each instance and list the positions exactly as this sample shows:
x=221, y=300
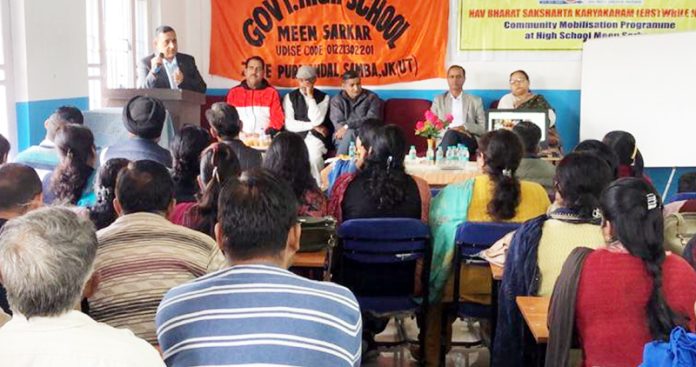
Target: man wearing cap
x=305, y=114
x=143, y=117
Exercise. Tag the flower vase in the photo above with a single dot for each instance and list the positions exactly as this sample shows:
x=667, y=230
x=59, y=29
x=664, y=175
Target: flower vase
x=430, y=153
x=431, y=143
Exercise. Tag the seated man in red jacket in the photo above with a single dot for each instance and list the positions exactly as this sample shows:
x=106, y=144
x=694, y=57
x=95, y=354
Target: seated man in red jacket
x=257, y=103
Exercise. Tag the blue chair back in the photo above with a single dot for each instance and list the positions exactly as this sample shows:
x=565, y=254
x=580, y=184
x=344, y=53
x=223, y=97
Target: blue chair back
x=377, y=260
x=680, y=196
x=473, y=237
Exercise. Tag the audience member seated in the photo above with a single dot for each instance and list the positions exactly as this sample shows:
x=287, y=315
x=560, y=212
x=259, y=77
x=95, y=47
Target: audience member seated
x=44, y=157
x=4, y=149
x=142, y=255
x=144, y=118
x=350, y=108
x=602, y=151
x=520, y=97
x=218, y=165
x=72, y=181
x=186, y=156
x=225, y=126
x=338, y=168
x=102, y=213
x=305, y=113
x=630, y=159
x=495, y=196
x=287, y=158
x=20, y=192
x=622, y=296
x=532, y=168
x=273, y=316
x=46, y=259
x=257, y=102
x=541, y=245
x=381, y=188
x=469, y=117
x=687, y=183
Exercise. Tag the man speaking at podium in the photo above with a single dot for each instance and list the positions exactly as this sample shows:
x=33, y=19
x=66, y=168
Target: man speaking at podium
x=167, y=68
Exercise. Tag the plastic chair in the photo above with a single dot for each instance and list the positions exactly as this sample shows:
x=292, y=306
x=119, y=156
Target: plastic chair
x=372, y=258
x=470, y=240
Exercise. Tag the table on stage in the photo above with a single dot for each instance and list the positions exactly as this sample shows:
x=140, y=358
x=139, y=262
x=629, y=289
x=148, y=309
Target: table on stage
x=438, y=176
x=434, y=175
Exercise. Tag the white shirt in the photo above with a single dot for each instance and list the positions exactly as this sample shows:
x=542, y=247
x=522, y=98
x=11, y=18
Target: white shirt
x=72, y=339
x=316, y=112
x=457, y=110
x=171, y=67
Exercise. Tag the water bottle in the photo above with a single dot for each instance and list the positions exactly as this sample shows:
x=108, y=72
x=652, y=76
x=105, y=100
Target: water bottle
x=430, y=155
x=439, y=156
x=412, y=154
x=463, y=153
x=351, y=150
x=450, y=156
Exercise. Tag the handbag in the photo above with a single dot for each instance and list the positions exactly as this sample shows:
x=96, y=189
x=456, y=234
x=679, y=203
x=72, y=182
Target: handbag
x=679, y=229
x=317, y=233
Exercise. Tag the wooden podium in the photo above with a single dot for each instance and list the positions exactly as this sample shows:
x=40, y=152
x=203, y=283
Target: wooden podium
x=184, y=106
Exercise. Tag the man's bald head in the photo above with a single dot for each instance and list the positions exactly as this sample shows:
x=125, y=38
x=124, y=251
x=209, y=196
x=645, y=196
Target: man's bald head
x=19, y=187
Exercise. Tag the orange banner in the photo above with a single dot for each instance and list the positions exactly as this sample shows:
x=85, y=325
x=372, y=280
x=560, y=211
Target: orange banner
x=386, y=41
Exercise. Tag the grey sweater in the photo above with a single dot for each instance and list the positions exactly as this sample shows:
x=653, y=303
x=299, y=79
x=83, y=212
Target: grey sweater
x=345, y=111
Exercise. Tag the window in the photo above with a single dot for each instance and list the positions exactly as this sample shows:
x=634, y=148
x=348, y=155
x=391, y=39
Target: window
x=7, y=114
x=118, y=35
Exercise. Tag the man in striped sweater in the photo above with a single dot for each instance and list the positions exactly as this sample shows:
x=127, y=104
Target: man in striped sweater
x=142, y=255
x=255, y=312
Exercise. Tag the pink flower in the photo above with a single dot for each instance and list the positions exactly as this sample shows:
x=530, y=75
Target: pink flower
x=439, y=125
x=449, y=117
x=430, y=116
x=420, y=125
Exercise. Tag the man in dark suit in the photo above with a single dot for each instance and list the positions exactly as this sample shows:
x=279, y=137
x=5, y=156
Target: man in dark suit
x=225, y=126
x=167, y=68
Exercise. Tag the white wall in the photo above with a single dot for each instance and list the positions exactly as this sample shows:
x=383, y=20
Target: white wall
x=49, y=49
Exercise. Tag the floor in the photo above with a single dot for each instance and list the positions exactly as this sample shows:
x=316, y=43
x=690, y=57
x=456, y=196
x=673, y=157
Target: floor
x=458, y=357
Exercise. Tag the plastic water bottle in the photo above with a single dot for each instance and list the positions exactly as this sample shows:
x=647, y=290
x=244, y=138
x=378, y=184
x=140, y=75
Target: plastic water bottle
x=450, y=156
x=439, y=156
x=463, y=153
x=351, y=150
x=412, y=154
x=430, y=156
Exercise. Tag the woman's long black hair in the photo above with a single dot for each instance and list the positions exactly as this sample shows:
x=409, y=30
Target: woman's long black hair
x=580, y=179
x=502, y=152
x=624, y=145
x=186, y=150
x=76, y=146
x=218, y=165
x=601, y=150
x=102, y=213
x=386, y=178
x=634, y=209
x=288, y=158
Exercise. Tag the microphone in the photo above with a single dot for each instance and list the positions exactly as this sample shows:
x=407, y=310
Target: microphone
x=157, y=69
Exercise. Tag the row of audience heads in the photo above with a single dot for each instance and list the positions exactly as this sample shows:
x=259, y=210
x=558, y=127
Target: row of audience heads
x=583, y=182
